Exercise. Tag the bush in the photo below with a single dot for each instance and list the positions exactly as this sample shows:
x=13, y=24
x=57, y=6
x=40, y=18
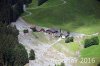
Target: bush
x=25, y=31
x=92, y=41
x=62, y=64
x=32, y=55
x=69, y=39
x=21, y=55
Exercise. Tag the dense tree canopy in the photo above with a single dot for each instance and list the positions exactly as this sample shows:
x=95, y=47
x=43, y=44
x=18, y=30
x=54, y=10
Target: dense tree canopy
x=10, y=10
x=11, y=52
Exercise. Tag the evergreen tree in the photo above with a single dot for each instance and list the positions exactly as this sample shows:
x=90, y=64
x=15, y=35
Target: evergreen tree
x=10, y=10
x=11, y=52
x=21, y=56
x=32, y=55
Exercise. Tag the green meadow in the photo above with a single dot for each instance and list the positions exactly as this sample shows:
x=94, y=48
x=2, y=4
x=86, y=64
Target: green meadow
x=75, y=15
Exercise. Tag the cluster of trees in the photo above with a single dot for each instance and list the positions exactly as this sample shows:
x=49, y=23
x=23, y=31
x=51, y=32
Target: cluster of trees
x=92, y=41
x=12, y=53
x=40, y=2
x=10, y=10
x=32, y=55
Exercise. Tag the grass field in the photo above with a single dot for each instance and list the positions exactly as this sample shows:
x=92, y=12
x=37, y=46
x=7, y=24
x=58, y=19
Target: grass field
x=92, y=51
x=76, y=15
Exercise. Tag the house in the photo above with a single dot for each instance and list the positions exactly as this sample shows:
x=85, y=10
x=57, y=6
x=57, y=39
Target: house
x=65, y=34
x=42, y=30
x=54, y=30
x=36, y=29
x=51, y=31
x=48, y=31
x=62, y=34
x=58, y=34
x=33, y=29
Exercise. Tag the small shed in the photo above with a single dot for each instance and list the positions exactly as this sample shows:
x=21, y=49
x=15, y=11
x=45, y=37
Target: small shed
x=42, y=30
x=64, y=34
x=54, y=30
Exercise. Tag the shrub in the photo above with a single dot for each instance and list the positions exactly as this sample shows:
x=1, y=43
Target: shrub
x=21, y=55
x=92, y=41
x=25, y=31
x=62, y=64
x=69, y=39
x=32, y=55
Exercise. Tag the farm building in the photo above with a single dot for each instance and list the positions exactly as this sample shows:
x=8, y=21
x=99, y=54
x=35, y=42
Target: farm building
x=37, y=29
x=65, y=34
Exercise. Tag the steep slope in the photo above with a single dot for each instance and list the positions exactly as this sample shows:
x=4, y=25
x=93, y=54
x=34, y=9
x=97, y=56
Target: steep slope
x=75, y=15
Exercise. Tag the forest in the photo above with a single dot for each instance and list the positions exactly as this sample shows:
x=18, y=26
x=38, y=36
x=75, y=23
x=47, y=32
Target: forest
x=10, y=10
x=12, y=53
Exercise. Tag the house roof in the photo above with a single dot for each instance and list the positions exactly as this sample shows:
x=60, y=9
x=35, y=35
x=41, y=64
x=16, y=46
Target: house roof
x=38, y=28
x=58, y=34
x=53, y=30
x=65, y=33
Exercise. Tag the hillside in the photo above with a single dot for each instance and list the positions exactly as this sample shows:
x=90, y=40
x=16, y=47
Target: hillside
x=78, y=16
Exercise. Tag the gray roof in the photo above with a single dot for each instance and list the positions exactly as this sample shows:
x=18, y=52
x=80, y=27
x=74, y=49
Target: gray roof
x=65, y=33
x=53, y=29
x=58, y=34
x=38, y=28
